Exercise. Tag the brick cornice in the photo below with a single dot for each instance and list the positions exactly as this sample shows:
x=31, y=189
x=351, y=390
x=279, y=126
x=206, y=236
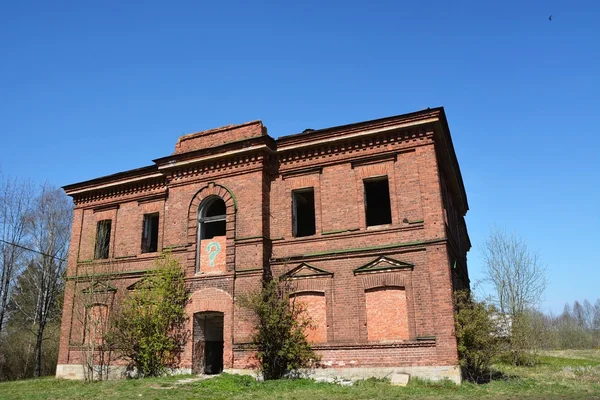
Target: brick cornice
x=264, y=144
x=365, y=128
x=393, y=142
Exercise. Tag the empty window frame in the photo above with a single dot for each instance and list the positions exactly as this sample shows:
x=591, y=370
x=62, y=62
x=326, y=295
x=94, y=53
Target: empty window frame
x=212, y=221
x=378, y=210
x=303, y=212
x=150, y=233
x=102, y=239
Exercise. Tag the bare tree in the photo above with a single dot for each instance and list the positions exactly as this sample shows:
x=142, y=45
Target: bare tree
x=48, y=226
x=20, y=333
x=15, y=203
x=515, y=272
x=518, y=280
x=596, y=319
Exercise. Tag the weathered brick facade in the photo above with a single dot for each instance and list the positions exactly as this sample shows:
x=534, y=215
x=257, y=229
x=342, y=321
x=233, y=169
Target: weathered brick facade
x=380, y=294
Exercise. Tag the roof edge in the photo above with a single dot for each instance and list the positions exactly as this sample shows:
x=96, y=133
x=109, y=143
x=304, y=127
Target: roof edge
x=136, y=172
x=359, y=125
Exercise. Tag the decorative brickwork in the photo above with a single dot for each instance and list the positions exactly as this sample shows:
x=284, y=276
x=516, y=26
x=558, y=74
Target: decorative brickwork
x=380, y=296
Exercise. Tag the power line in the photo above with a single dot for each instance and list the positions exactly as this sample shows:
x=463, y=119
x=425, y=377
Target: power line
x=35, y=251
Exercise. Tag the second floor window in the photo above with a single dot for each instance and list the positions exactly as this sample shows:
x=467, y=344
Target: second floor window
x=102, y=239
x=212, y=221
x=378, y=210
x=150, y=233
x=303, y=211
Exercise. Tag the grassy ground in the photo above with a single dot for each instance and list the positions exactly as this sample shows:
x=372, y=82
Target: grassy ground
x=571, y=375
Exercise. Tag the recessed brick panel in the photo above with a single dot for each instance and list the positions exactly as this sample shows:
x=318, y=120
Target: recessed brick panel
x=315, y=308
x=387, y=314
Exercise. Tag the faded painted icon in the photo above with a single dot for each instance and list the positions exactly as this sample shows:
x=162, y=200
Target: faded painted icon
x=212, y=254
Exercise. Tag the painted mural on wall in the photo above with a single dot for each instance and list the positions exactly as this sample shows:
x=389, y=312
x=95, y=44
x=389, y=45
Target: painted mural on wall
x=212, y=255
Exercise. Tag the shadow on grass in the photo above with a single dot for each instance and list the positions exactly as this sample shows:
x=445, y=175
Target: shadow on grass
x=494, y=375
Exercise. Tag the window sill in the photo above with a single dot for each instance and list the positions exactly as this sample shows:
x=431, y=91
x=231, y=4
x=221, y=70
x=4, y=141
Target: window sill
x=346, y=233
x=379, y=227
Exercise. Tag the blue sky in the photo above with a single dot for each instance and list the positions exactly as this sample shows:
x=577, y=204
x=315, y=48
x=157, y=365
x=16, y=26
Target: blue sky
x=93, y=88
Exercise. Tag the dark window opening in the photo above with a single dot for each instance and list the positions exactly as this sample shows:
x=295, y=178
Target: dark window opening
x=102, y=239
x=212, y=229
x=150, y=233
x=303, y=212
x=377, y=202
x=212, y=219
x=215, y=208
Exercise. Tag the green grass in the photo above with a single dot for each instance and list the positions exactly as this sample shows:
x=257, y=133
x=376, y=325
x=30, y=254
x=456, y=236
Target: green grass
x=575, y=377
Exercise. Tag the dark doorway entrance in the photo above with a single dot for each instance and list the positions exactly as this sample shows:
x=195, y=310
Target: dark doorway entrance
x=207, y=356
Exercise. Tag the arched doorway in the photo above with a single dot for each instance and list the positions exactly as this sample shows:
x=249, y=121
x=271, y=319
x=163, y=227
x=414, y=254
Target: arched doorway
x=207, y=353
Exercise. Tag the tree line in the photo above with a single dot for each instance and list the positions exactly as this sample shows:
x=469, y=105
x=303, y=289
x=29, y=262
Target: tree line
x=507, y=325
x=577, y=327
x=35, y=223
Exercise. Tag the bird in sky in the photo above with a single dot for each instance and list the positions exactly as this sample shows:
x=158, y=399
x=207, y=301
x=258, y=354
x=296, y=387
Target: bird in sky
x=550, y=18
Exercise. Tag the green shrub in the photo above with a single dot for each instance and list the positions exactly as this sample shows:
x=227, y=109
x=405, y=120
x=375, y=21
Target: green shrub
x=280, y=330
x=149, y=329
x=478, y=337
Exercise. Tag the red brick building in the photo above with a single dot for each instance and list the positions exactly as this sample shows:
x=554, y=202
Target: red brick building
x=365, y=219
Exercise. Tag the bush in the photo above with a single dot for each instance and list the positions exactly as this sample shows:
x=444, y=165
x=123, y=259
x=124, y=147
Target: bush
x=478, y=337
x=522, y=348
x=149, y=329
x=280, y=330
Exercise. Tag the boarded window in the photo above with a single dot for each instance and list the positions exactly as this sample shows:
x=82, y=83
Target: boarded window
x=150, y=233
x=96, y=322
x=102, y=239
x=315, y=308
x=303, y=204
x=387, y=317
x=378, y=210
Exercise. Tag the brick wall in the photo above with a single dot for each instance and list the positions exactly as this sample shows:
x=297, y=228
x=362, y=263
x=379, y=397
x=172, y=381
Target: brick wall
x=219, y=136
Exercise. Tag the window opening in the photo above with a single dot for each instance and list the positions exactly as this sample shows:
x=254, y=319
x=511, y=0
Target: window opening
x=150, y=233
x=303, y=204
x=102, y=239
x=377, y=201
x=212, y=219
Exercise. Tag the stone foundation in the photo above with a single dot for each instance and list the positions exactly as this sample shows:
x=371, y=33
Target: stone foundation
x=452, y=372
x=437, y=373
x=75, y=371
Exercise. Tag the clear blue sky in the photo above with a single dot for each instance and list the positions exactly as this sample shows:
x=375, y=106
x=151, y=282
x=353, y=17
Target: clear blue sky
x=93, y=88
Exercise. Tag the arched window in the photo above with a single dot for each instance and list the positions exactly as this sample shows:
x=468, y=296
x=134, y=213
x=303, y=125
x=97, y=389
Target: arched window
x=211, y=222
x=211, y=218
